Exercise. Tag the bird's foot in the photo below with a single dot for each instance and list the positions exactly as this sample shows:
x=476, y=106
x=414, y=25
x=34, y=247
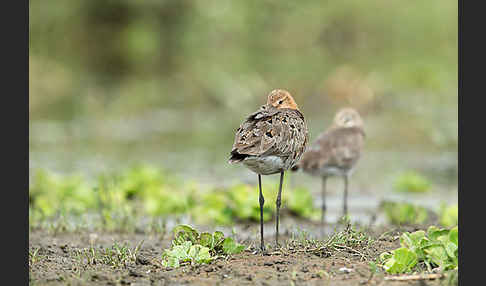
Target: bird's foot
x=262, y=250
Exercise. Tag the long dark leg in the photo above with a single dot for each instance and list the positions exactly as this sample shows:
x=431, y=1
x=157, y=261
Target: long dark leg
x=345, y=198
x=262, y=201
x=278, y=203
x=323, y=214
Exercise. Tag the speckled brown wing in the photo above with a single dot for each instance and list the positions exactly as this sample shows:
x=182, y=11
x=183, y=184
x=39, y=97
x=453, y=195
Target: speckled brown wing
x=336, y=148
x=271, y=132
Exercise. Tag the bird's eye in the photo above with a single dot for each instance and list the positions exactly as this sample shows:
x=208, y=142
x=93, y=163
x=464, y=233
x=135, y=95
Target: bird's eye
x=280, y=101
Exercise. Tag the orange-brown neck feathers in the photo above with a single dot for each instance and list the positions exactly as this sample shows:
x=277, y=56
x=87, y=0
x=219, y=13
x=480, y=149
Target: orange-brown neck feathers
x=280, y=98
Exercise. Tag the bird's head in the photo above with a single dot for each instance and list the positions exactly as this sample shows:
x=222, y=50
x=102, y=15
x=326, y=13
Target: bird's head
x=348, y=117
x=280, y=98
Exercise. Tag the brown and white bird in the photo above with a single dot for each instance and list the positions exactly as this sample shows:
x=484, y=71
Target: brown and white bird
x=335, y=152
x=270, y=141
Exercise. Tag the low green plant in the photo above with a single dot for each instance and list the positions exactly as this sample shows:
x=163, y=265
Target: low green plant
x=244, y=202
x=349, y=237
x=349, y=240
x=412, y=182
x=213, y=207
x=434, y=248
x=240, y=202
x=139, y=180
x=160, y=193
x=300, y=202
x=404, y=213
x=50, y=193
x=120, y=197
x=448, y=215
x=115, y=256
x=190, y=246
x=33, y=257
x=140, y=188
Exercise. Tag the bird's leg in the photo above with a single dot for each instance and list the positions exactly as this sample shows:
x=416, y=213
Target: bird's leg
x=262, y=201
x=323, y=214
x=345, y=198
x=278, y=203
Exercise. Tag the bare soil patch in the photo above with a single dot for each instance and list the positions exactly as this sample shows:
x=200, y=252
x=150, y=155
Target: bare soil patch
x=58, y=262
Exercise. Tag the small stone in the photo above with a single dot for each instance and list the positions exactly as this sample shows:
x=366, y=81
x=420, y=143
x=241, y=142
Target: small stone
x=345, y=270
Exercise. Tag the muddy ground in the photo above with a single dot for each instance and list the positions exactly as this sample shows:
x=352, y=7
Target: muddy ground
x=57, y=262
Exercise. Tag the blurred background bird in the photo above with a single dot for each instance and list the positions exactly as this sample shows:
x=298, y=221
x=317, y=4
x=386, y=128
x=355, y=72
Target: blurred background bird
x=270, y=141
x=335, y=152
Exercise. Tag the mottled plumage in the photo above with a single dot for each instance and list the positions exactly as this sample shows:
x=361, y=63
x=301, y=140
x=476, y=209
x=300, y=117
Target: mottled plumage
x=271, y=140
x=270, y=132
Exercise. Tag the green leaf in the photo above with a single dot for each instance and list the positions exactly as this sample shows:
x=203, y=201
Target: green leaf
x=206, y=244
x=218, y=238
x=451, y=249
x=454, y=236
x=412, y=181
x=181, y=251
x=171, y=262
x=206, y=239
x=301, y=202
x=213, y=208
x=401, y=261
x=434, y=233
x=449, y=215
x=184, y=232
x=398, y=213
x=385, y=255
x=436, y=254
x=437, y=247
x=232, y=247
x=414, y=241
x=199, y=254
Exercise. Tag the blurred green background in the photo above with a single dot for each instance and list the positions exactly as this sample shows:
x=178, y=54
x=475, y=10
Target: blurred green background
x=114, y=83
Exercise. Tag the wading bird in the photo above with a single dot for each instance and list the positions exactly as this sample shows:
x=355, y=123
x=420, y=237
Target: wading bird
x=270, y=141
x=335, y=152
